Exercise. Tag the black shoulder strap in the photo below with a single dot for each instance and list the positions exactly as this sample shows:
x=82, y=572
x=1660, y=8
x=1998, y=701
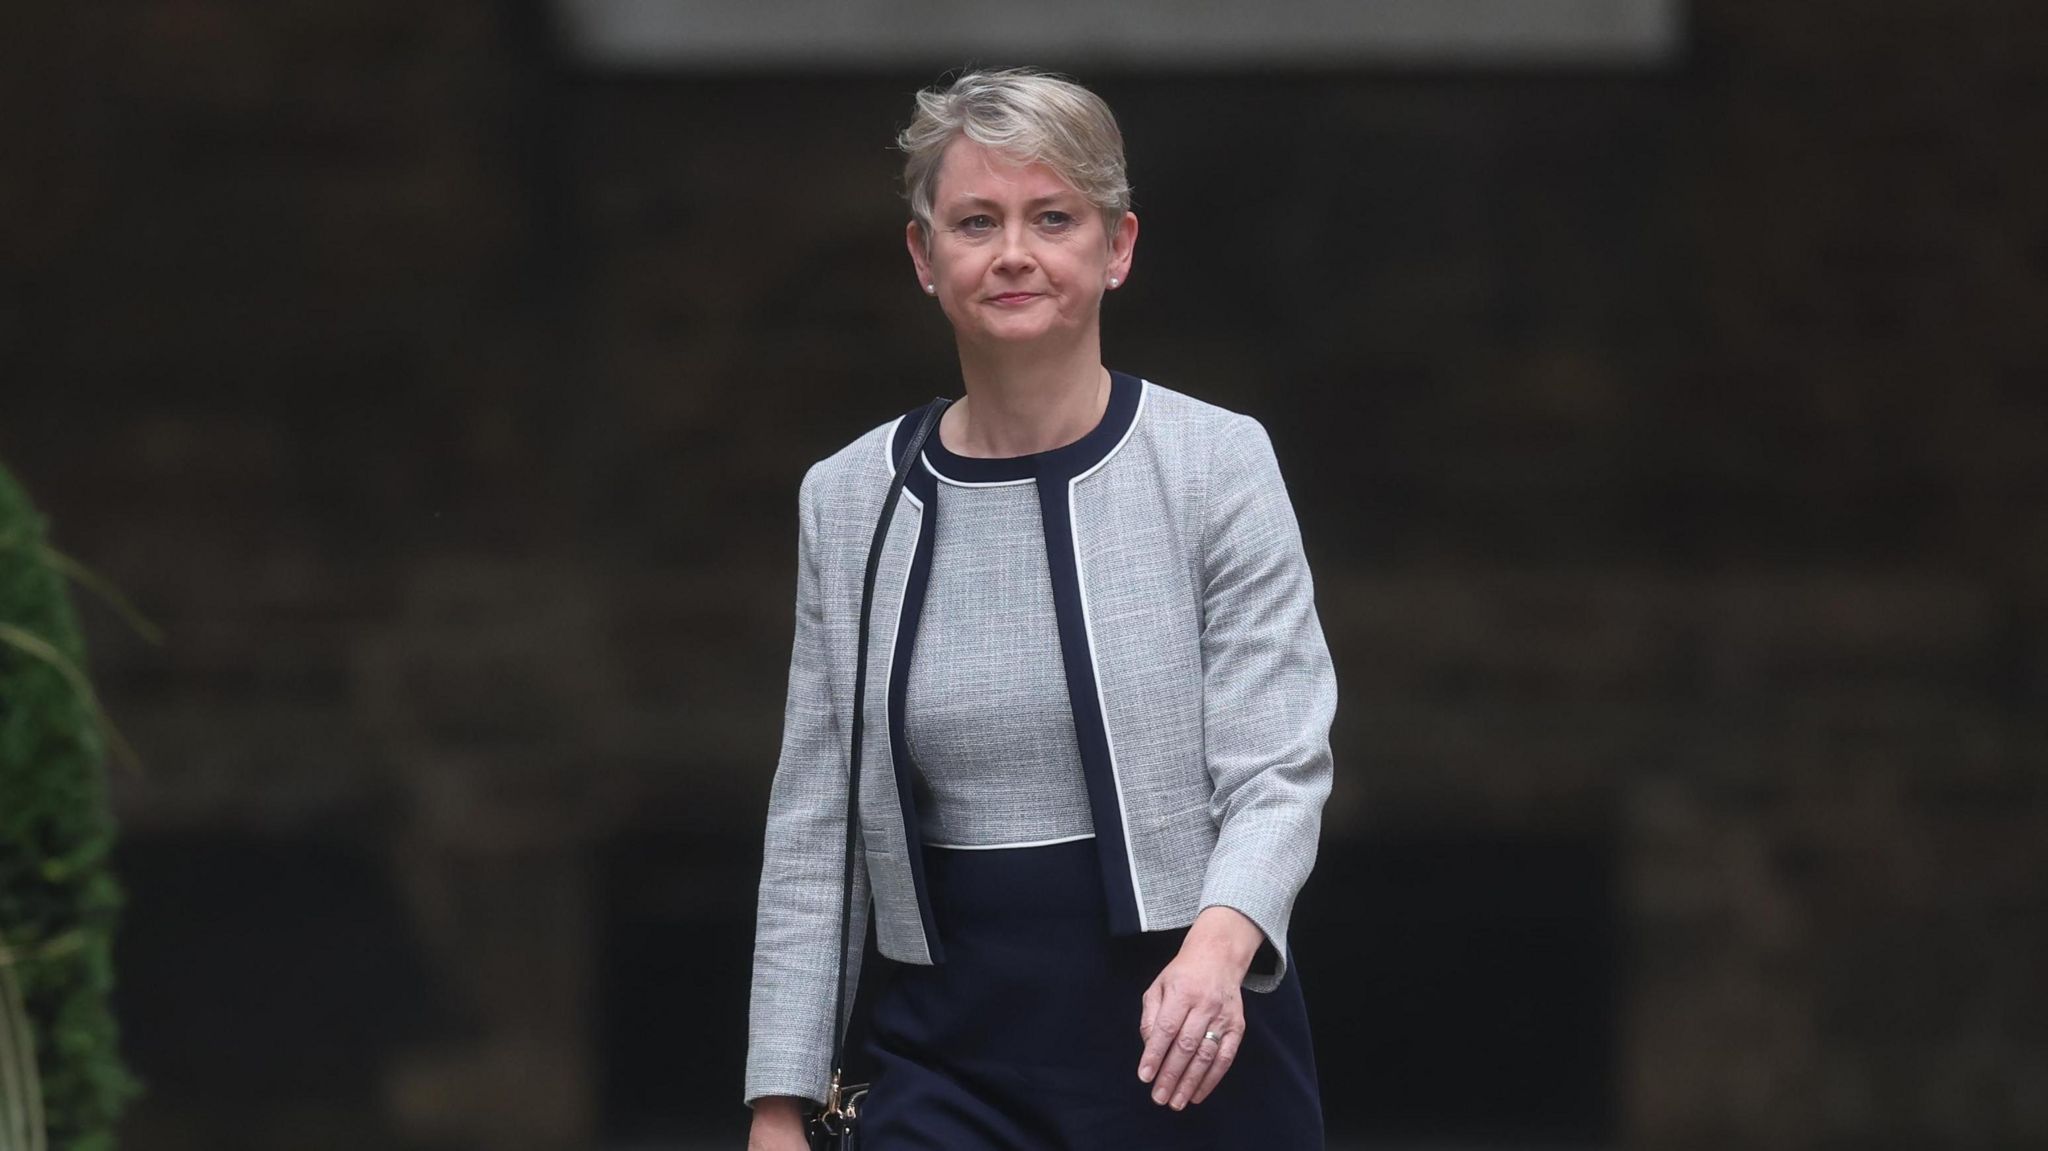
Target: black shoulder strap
x=923, y=432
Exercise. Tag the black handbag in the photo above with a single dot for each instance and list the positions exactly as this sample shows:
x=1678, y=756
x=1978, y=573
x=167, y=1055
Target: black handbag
x=835, y=1126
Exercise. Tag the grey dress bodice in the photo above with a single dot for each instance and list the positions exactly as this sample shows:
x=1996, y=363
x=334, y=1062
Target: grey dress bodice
x=987, y=720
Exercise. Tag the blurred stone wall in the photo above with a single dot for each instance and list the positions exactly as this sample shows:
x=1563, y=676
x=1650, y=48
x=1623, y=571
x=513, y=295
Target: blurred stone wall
x=1670, y=449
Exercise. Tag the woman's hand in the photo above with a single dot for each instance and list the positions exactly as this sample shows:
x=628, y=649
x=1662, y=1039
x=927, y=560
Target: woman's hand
x=778, y=1125
x=1200, y=991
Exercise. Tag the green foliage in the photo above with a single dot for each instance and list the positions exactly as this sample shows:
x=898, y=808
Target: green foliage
x=58, y=896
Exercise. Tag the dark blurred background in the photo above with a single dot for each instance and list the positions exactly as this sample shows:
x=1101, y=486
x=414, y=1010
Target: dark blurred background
x=1661, y=390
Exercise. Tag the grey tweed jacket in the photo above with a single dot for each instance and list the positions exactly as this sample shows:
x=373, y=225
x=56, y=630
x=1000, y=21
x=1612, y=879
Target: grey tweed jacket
x=1201, y=685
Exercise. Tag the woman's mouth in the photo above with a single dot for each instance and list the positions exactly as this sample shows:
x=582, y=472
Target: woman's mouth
x=1014, y=297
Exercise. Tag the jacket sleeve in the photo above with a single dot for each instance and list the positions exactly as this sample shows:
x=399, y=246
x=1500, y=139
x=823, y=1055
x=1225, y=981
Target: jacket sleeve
x=796, y=932
x=1269, y=694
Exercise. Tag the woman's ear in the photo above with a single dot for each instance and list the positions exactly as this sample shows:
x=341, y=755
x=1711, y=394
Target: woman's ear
x=913, y=238
x=1122, y=243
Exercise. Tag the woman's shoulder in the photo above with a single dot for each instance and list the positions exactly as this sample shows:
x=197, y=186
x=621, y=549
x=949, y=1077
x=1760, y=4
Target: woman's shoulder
x=1220, y=454
x=1203, y=445
x=860, y=462
x=1173, y=414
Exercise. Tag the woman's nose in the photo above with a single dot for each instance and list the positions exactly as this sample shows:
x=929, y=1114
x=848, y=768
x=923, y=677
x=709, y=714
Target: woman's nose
x=1016, y=254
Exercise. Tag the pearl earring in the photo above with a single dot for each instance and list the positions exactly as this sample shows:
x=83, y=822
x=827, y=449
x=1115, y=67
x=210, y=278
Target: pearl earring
x=1113, y=281
x=931, y=289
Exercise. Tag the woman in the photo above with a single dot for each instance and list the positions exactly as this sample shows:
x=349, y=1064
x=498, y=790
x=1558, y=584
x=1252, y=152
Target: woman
x=1100, y=779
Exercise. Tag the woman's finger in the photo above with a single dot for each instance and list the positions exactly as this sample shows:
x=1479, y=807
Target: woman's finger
x=1200, y=1064
x=1226, y=1054
x=1147, y=1019
x=1166, y=1017
x=1186, y=1048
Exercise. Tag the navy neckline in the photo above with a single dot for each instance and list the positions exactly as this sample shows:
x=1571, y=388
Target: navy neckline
x=1067, y=460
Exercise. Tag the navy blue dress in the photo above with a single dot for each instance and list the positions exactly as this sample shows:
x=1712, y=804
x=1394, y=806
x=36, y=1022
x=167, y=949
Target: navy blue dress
x=1026, y=1037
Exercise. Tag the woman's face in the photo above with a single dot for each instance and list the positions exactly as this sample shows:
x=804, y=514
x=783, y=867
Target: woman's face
x=1017, y=255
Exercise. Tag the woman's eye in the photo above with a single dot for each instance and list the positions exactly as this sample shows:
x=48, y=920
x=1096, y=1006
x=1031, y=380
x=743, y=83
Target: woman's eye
x=976, y=223
x=1057, y=219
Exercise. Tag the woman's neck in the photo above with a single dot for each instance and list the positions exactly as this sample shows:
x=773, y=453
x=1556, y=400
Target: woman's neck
x=1017, y=405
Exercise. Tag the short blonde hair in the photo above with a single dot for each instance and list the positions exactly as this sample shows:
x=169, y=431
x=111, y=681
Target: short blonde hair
x=1027, y=115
